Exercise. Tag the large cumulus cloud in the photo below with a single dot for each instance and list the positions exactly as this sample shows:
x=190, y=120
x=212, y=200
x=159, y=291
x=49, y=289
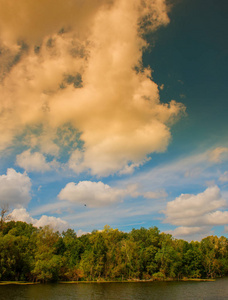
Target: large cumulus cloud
x=80, y=63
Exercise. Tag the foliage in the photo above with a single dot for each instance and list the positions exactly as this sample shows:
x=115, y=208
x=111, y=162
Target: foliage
x=28, y=253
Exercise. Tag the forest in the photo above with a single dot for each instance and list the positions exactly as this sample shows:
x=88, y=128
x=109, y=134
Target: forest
x=35, y=254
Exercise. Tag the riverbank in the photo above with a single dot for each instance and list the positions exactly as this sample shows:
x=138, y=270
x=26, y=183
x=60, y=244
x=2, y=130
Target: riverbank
x=103, y=281
x=17, y=282
x=135, y=281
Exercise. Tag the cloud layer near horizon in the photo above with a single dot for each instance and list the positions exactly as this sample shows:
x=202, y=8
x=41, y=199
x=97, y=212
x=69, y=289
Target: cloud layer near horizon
x=57, y=224
x=80, y=66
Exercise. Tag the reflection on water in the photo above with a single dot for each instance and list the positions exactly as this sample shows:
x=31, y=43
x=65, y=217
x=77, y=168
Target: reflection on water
x=112, y=291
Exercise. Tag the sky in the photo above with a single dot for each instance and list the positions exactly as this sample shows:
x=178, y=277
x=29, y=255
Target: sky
x=115, y=112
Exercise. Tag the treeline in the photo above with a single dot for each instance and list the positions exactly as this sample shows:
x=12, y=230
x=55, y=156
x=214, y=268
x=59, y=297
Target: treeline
x=42, y=255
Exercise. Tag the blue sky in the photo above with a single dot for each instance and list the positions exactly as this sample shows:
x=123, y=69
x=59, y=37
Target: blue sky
x=115, y=113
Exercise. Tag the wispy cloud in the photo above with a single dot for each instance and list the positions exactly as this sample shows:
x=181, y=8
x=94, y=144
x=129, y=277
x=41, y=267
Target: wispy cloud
x=224, y=177
x=219, y=154
x=191, y=170
x=114, y=215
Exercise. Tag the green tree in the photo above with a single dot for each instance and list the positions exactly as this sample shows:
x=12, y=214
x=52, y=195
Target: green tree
x=47, y=264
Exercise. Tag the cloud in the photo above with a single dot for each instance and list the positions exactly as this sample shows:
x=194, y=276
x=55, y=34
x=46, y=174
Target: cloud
x=134, y=191
x=183, y=231
x=155, y=195
x=21, y=214
x=32, y=21
x=15, y=188
x=191, y=233
x=191, y=171
x=81, y=232
x=224, y=177
x=98, y=194
x=76, y=161
x=188, y=205
x=90, y=218
x=33, y=161
x=89, y=76
x=192, y=212
x=93, y=194
x=57, y=224
x=218, y=154
x=129, y=168
x=44, y=142
x=50, y=208
x=161, y=87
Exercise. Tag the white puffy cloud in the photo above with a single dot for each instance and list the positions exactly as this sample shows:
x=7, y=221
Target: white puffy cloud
x=89, y=75
x=33, y=161
x=98, y=194
x=14, y=188
x=80, y=232
x=192, y=212
x=191, y=233
x=93, y=194
x=189, y=205
x=21, y=214
x=183, y=231
x=57, y=224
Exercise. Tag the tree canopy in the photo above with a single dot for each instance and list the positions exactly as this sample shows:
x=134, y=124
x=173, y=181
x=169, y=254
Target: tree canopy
x=42, y=255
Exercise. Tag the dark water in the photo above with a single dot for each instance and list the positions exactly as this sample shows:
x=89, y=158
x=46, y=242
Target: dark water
x=114, y=291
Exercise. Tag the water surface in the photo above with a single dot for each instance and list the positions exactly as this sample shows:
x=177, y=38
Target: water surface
x=214, y=290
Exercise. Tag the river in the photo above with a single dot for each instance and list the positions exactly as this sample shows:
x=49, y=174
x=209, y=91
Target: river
x=214, y=290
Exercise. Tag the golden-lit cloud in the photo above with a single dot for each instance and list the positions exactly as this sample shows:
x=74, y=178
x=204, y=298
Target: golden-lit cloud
x=31, y=21
x=218, y=154
x=80, y=63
